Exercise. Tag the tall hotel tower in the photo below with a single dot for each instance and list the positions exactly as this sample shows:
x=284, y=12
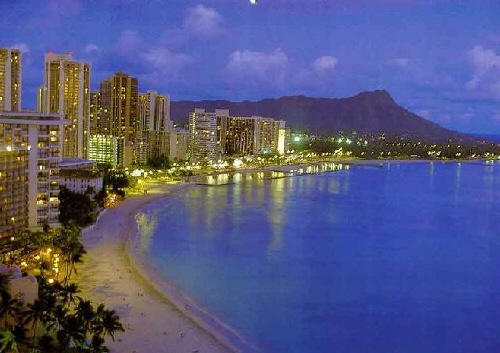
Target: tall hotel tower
x=119, y=99
x=119, y=114
x=67, y=91
x=10, y=79
x=30, y=152
x=154, y=112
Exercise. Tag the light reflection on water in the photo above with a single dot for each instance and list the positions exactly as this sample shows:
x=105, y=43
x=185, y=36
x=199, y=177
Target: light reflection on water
x=399, y=258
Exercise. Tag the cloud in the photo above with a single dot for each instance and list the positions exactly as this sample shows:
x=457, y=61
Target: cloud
x=486, y=72
x=167, y=61
x=152, y=63
x=258, y=66
x=91, y=48
x=23, y=47
x=203, y=21
x=400, y=62
x=324, y=64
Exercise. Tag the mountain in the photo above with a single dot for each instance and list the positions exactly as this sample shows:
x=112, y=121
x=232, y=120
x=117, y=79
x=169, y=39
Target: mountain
x=374, y=111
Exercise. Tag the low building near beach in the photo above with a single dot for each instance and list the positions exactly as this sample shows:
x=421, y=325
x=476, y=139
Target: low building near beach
x=80, y=175
x=21, y=287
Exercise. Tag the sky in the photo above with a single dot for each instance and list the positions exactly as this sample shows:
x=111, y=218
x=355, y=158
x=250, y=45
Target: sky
x=438, y=58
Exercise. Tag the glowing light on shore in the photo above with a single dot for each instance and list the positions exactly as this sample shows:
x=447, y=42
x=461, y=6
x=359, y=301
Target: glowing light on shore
x=237, y=163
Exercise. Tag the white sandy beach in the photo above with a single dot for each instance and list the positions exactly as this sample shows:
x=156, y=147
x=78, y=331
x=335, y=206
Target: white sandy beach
x=108, y=275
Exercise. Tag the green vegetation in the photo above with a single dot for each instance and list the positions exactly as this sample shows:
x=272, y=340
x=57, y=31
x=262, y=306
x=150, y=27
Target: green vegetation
x=76, y=207
x=160, y=162
x=59, y=320
x=373, y=146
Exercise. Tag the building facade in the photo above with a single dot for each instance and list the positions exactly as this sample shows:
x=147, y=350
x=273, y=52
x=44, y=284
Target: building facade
x=67, y=91
x=10, y=79
x=204, y=145
x=80, y=175
x=95, y=112
x=119, y=103
x=154, y=112
x=179, y=145
x=36, y=137
x=216, y=135
x=13, y=186
x=107, y=149
x=119, y=112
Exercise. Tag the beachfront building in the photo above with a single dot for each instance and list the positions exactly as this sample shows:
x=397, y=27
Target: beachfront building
x=236, y=135
x=80, y=175
x=31, y=150
x=13, y=186
x=267, y=135
x=178, y=144
x=10, y=79
x=216, y=135
x=203, y=129
x=66, y=90
x=151, y=138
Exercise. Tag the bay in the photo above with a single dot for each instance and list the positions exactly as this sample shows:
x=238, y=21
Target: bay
x=399, y=257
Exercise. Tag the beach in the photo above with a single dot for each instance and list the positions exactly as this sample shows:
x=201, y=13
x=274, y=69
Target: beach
x=110, y=275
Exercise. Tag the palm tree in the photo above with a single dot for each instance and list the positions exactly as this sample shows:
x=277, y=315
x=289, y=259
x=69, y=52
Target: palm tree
x=67, y=293
x=9, y=308
x=86, y=312
x=97, y=345
x=34, y=314
x=111, y=324
x=8, y=341
x=71, y=333
x=68, y=240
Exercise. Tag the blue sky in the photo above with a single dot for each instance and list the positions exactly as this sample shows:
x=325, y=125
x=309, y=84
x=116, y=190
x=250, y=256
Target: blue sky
x=438, y=58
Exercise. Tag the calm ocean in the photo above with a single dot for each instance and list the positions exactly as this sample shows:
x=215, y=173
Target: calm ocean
x=401, y=257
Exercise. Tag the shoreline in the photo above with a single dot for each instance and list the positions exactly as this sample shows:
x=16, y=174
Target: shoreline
x=149, y=307
x=156, y=315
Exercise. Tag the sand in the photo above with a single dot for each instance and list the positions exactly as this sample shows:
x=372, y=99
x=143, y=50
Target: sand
x=154, y=320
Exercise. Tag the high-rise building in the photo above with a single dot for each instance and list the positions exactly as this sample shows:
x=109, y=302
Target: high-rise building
x=236, y=135
x=10, y=80
x=119, y=114
x=13, y=187
x=30, y=153
x=215, y=135
x=95, y=112
x=179, y=144
x=119, y=100
x=106, y=149
x=203, y=129
x=67, y=91
x=154, y=112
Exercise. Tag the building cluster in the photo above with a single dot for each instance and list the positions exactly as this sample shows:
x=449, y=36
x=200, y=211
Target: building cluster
x=72, y=125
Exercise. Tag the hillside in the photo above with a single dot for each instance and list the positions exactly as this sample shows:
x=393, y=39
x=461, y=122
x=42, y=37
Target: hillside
x=366, y=112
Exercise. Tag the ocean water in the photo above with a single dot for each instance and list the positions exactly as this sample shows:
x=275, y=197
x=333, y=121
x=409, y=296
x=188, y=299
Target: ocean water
x=401, y=257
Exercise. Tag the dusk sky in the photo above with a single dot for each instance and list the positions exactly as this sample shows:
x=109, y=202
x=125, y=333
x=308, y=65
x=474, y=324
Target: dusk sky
x=437, y=58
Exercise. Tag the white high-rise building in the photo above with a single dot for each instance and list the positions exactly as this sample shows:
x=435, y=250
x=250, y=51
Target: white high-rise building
x=203, y=129
x=67, y=91
x=10, y=80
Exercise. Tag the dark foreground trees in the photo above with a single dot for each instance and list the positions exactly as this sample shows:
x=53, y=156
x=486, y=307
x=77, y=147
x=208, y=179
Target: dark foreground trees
x=60, y=320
